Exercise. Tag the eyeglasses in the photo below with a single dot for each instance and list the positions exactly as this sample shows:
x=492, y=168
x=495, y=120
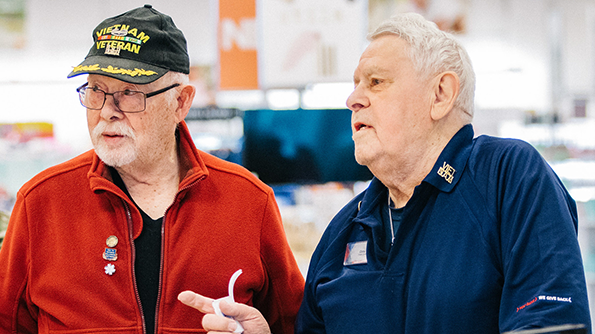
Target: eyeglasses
x=129, y=101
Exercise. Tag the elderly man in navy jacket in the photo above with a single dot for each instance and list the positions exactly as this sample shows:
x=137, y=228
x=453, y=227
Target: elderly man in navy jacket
x=455, y=234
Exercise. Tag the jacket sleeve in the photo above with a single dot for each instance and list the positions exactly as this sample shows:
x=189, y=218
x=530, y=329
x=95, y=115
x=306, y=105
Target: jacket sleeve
x=280, y=298
x=309, y=319
x=544, y=280
x=17, y=312
x=330, y=248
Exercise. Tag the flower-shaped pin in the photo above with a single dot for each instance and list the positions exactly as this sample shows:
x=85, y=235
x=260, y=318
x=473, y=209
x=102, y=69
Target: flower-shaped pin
x=110, y=269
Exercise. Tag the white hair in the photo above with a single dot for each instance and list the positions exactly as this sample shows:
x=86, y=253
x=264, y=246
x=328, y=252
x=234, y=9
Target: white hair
x=168, y=79
x=171, y=78
x=433, y=51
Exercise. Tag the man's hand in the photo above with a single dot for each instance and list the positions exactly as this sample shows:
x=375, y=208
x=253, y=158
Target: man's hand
x=250, y=318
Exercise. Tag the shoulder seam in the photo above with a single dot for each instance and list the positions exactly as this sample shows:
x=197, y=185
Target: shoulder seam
x=49, y=173
x=242, y=174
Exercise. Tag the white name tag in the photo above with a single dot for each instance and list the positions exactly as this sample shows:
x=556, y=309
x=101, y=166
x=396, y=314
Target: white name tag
x=356, y=253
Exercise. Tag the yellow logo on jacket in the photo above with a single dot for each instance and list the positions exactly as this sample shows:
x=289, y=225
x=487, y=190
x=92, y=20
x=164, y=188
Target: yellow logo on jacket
x=447, y=172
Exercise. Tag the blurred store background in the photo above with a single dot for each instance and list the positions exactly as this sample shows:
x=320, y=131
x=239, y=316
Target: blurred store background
x=273, y=77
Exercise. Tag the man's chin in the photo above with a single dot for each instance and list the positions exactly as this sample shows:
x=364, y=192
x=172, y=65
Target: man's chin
x=115, y=158
x=362, y=156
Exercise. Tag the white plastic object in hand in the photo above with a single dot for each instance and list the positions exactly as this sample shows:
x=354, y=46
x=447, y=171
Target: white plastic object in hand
x=229, y=299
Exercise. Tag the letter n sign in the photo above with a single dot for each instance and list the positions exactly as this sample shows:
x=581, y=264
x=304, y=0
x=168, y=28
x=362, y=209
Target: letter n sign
x=238, y=61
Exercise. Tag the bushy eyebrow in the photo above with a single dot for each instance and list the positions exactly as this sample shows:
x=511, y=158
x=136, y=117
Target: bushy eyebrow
x=371, y=71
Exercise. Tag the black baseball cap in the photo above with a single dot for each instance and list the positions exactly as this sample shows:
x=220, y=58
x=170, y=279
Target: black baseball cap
x=139, y=46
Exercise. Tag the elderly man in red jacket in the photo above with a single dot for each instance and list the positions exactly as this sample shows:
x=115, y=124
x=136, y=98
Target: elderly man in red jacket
x=105, y=242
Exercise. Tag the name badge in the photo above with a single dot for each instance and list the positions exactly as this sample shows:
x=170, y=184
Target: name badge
x=356, y=253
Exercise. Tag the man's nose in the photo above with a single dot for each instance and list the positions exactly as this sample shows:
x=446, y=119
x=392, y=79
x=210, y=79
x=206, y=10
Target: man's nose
x=357, y=99
x=110, y=109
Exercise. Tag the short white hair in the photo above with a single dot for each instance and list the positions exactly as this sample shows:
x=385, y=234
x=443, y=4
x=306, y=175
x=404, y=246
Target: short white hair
x=171, y=78
x=433, y=51
x=168, y=79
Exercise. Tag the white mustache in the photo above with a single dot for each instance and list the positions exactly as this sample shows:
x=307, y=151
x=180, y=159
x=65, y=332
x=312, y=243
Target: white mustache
x=118, y=128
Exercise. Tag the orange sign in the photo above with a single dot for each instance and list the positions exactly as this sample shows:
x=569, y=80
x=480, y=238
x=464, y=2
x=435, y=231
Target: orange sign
x=238, y=61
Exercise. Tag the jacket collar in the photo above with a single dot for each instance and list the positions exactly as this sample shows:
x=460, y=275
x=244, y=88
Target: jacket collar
x=449, y=167
x=193, y=167
x=371, y=203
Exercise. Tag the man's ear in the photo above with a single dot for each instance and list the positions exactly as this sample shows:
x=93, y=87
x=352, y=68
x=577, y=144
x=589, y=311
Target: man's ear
x=185, y=101
x=446, y=91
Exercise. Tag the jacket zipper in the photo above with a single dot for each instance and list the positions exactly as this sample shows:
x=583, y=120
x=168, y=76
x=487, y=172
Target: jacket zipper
x=133, y=253
x=160, y=271
x=161, y=260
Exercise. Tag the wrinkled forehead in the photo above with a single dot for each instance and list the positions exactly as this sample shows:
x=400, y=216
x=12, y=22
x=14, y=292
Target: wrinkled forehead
x=384, y=54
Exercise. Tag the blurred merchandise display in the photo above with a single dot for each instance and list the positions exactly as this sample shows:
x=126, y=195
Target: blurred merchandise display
x=23, y=132
x=218, y=131
x=25, y=150
x=12, y=24
x=6, y=200
x=306, y=211
x=586, y=238
x=3, y=225
x=578, y=177
x=6, y=204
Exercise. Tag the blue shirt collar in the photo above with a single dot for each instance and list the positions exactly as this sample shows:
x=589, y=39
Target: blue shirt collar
x=449, y=167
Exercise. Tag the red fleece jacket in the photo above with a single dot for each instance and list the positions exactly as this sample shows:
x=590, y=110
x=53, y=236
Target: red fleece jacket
x=52, y=269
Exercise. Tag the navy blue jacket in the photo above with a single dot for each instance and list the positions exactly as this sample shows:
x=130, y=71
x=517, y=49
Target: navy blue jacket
x=487, y=244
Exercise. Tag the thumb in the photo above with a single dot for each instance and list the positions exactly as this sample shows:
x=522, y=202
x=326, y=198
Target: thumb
x=240, y=312
x=250, y=318
x=196, y=301
x=232, y=309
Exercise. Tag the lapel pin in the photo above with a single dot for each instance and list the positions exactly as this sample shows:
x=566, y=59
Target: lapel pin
x=447, y=172
x=110, y=254
x=110, y=269
x=111, y=241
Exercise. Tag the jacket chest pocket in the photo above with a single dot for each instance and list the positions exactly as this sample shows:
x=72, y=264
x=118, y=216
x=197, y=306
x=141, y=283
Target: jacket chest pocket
x=348, y=300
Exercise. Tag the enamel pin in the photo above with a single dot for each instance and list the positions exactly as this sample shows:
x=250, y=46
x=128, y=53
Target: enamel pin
x=110, y=269
x=447, y=172
x=110, y=254
x=112, y=241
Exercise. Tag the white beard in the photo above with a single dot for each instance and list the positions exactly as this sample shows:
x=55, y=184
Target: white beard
x=118, y=156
